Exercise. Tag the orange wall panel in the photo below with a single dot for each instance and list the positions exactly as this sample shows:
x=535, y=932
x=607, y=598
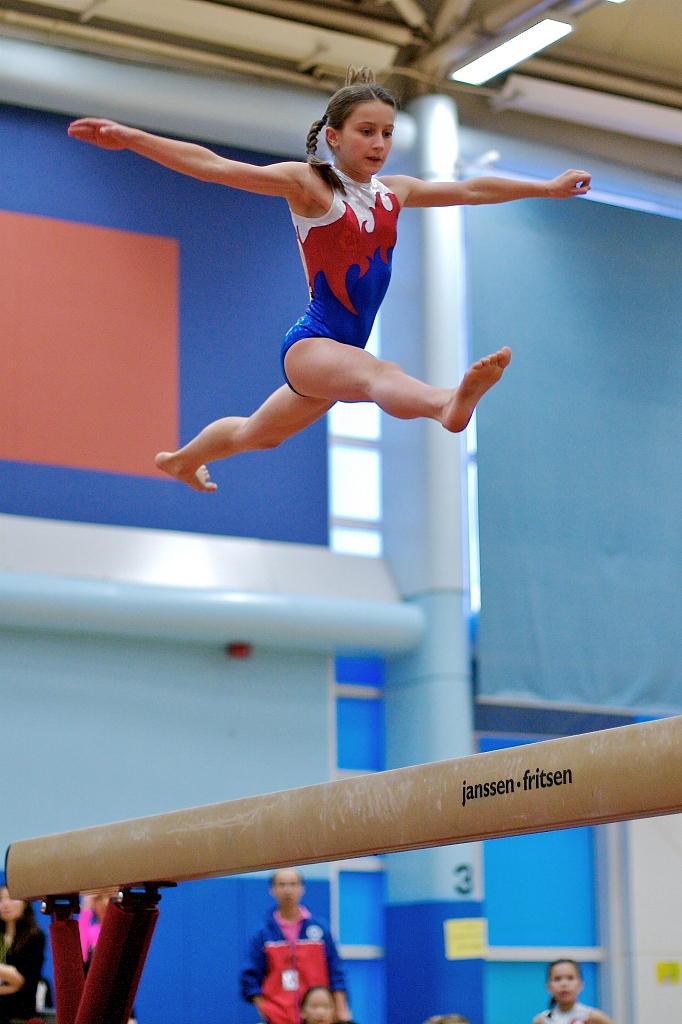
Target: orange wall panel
x=89, y=356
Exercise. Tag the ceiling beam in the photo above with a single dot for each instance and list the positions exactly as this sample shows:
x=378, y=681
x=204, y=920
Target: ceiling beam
x=449, y=16
x=606, y=81
x=321, y=14
x=413, y=13
x=107, y=42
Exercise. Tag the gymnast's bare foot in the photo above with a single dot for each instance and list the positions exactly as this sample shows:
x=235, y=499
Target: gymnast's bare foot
x=199, y=479
x=476, y=381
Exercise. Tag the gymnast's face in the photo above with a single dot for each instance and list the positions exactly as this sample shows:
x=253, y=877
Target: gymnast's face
x=318, y=1007
x=362, y=146
x=565, y=984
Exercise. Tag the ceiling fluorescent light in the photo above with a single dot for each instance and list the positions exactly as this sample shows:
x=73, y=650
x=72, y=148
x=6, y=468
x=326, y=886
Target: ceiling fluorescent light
x=511, y=52
x=587, y=106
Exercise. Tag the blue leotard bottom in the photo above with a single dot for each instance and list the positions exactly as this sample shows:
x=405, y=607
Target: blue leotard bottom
x=305, y=327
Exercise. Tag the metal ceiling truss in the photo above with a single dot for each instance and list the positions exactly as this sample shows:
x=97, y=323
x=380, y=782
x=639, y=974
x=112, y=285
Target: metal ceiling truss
x=414, y=43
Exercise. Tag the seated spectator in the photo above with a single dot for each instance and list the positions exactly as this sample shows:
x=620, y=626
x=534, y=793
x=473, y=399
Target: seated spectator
x=22, y=952
x=317, y=1006
x=447, y=1018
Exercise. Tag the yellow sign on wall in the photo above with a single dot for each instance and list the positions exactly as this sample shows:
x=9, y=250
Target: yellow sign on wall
x=466, y=938
x=668, y=973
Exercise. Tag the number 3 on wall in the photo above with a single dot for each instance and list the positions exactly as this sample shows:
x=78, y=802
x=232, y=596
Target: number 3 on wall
x=464, y=879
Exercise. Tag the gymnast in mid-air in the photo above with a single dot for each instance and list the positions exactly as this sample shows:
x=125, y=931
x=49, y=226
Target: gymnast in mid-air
x=345, y=219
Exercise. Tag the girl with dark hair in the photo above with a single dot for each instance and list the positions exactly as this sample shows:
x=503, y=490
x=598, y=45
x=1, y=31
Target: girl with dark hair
x=565, y=983
x=22, y=951
x=447, y=1018
x=317, y=1006
x=345, y=219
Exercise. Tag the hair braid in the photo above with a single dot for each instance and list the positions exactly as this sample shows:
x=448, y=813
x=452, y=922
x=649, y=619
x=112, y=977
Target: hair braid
x=361, y=87
x=315, y=129
x=323, y=167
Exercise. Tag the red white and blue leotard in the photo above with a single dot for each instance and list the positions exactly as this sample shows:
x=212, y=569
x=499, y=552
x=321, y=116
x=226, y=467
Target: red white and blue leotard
x=347, y=258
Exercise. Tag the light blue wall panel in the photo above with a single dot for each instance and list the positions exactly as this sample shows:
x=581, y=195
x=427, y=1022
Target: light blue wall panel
x=103, y=730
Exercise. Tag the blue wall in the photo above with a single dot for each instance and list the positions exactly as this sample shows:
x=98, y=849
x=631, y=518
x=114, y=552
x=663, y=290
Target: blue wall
x=241, y=286
x=362, y=894
x=422, y=981
x=540, y=890
x=199, y=949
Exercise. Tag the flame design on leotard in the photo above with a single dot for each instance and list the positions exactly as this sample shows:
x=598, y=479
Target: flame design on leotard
x=335, y=248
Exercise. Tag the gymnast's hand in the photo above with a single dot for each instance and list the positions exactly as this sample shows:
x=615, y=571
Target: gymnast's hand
x=568, y=184
x=101, y=132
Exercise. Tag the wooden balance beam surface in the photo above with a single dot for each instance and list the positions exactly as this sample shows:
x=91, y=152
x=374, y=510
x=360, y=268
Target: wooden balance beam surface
x=634, y=771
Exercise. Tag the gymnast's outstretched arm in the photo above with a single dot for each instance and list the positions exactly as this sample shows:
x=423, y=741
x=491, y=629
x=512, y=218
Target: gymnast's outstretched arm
x=491, y=189
x=285, y=179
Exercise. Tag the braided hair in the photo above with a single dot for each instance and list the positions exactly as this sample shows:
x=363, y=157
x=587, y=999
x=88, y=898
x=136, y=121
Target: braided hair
x=361, y=87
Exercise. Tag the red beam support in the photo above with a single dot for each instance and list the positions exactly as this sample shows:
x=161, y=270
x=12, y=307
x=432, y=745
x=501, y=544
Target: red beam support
x=107, y=994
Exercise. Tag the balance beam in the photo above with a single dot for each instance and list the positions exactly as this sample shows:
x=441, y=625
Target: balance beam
x=634, y=771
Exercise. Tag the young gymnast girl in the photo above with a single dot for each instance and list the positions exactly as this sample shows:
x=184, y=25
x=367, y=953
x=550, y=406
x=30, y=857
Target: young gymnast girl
x=565, y=983
x=345, y=219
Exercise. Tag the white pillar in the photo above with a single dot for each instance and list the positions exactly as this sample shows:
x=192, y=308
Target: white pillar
x=428, y=700
x=445, y=346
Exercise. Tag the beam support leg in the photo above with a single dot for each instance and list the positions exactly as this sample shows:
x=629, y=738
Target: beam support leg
x=107, y=994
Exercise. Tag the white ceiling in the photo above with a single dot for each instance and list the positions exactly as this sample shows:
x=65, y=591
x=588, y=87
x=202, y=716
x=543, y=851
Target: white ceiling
x=631, y=49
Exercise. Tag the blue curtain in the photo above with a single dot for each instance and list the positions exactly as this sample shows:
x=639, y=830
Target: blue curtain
x=580, y=478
